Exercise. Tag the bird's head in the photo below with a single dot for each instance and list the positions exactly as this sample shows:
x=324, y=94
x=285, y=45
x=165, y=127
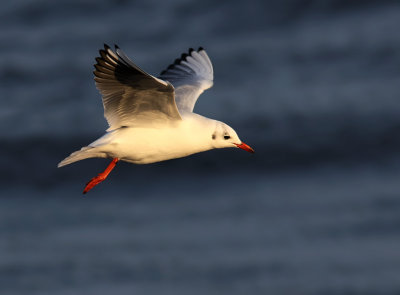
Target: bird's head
x=224, y=136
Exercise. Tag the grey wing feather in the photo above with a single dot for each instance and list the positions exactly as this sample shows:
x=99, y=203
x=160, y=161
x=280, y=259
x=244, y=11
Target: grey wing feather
x=132, y=97
x=190, y=75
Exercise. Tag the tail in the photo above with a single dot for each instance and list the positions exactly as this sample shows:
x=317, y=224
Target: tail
x=84, y=153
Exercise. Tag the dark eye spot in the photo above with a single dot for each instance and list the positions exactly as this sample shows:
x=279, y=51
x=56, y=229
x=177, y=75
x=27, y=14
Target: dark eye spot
x=226, y=137
x=213, y=136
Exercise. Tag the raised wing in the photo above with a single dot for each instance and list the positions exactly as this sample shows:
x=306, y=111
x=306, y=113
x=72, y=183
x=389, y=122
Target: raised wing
x=132, y=97
x=190, y=75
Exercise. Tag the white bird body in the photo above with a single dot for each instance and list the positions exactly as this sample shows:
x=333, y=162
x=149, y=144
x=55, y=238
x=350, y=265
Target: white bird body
x=152, y=120
x=140, y=145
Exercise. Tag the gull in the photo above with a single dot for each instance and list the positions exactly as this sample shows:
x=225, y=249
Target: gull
x=151, y=118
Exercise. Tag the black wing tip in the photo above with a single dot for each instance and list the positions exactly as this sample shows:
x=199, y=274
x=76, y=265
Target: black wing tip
x=104, y=55
x=183, y=57
x=107, y=47
x=201, y=48
x=103, y=52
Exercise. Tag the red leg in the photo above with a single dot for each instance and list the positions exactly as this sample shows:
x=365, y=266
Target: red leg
x=102, y=176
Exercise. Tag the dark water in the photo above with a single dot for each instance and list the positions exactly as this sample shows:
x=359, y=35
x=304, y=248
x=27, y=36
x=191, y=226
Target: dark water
x=313, y=86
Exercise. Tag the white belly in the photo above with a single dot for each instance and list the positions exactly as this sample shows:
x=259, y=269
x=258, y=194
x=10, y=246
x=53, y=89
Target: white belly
x=149, y=145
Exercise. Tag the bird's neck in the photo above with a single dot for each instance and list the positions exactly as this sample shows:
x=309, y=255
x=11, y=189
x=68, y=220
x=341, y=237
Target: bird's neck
x=197, y=131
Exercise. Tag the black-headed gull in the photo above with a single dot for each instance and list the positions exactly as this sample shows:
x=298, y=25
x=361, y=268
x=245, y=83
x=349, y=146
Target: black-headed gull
x=151, y=119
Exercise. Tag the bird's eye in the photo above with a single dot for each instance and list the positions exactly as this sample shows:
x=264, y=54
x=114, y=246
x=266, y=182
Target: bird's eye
x=226, y=137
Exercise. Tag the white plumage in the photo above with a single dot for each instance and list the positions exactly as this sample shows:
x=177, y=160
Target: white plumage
x=151, y=119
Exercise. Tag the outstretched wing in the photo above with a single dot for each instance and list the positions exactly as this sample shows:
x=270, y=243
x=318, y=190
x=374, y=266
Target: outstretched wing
x=132, y=97
x=190, y=75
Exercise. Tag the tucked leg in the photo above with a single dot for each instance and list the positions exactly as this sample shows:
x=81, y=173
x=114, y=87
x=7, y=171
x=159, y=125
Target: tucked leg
x=102, y=176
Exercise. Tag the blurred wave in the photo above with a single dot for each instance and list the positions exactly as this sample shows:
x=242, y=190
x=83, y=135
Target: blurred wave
x=301, y=81
x=312, y=85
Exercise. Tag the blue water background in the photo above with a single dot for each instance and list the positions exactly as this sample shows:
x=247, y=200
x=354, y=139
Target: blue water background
x=313, y=86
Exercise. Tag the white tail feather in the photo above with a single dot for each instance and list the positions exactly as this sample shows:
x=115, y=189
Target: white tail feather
x=84, y=153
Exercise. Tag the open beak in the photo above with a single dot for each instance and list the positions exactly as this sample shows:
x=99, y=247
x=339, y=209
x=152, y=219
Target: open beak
x=245, y=147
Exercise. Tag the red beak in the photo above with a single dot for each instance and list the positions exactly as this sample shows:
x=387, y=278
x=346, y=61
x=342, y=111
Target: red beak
x=245, y=147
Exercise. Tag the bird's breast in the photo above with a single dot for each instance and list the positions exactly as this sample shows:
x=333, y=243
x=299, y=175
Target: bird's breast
x=149, y=145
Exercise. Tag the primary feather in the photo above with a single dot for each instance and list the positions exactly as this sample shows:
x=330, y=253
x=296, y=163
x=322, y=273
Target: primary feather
x=190, y=75
x=132, y=97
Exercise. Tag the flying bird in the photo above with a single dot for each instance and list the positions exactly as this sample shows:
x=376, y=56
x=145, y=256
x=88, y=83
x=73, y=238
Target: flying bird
x=151, y=118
